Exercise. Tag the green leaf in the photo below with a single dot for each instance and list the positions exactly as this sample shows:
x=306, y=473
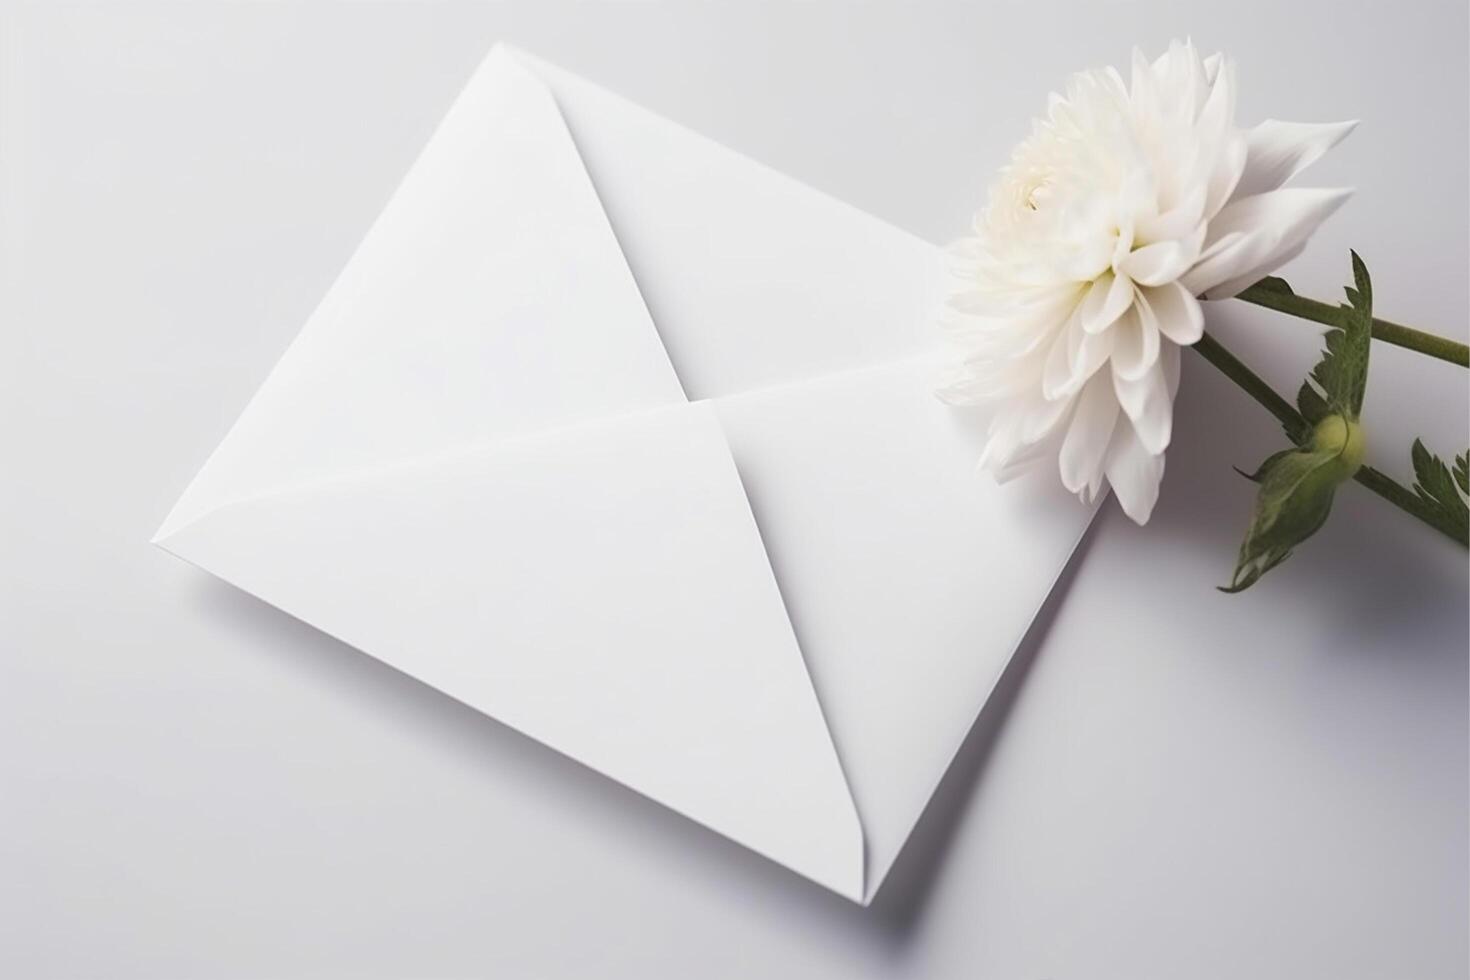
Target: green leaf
x=1265, y=466
x=1442, y=490
x=1357, y=340
x=1275, y=284
x=1336, y=385
x=1312, y=405
x=1293, y=503
x=1297, y=485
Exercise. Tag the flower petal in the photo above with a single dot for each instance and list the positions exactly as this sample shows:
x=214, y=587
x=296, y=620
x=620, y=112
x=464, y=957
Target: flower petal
x=1217, y=115
x=1074, y=357
x=1089, y=435
x=1230, y=287
x=1056, y=374
x=1177, y=313
x=1170, y=358
x=962, y=387
x=1179, y=77
x=1002, y=440
x=1090, y=351
x=1211, y=65
x=1142, y=91
x=1134, y=473
x=1109, y=296
x=1136, y=342
x=1161, y=262
x=1025, y=459
x=1182, y=221
x=1042, y=416
x=1278, y=151
x=1148, y=406
x=1256, y=234
x=1225, y=177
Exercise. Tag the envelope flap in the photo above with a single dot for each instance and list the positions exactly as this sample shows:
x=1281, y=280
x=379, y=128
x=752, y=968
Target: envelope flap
x=753, y=278
x=490, y=298
x=909, y=578
x=603, y=589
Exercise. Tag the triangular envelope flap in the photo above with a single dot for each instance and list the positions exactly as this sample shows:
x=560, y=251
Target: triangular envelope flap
x=753, y=278
x=489, y=298
x=909, y=579
x=602, y=588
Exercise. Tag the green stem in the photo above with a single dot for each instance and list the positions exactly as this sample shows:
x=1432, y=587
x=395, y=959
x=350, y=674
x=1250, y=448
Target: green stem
x=1231, y=366
x=1385, y=486
x=1396, y=493
x=1390, y=333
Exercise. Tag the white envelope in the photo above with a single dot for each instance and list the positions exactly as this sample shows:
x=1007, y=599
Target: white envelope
x=630, y=443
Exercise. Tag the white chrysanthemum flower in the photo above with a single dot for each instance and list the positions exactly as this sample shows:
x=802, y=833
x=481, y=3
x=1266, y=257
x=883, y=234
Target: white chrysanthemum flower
x=1126, y=203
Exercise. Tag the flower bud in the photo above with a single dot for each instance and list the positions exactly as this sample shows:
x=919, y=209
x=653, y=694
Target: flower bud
x=1343, y=438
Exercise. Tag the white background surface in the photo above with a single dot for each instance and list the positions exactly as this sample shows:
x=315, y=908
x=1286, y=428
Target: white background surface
x=1170, y=783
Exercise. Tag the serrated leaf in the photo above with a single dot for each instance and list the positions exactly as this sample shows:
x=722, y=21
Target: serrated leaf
x=1357, y=341
x=1297, y=487
x=1336, y=385
x=1275, y=284
x=1443, y=491
x=1312, y=405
